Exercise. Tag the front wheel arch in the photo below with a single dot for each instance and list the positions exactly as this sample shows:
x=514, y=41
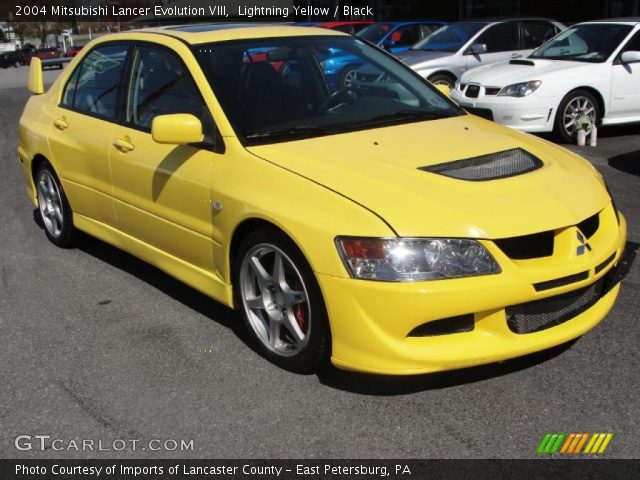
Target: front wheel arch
x=314, y=353
x=441, y=75
x=589, y=91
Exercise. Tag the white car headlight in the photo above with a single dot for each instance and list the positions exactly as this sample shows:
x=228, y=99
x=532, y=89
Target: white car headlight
x=414, y=259
x=520, y=89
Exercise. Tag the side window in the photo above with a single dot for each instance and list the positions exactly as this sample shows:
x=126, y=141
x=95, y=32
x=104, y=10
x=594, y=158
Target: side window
x=501, y=38
x=405, y=36
x=94, y=85
x=633, y=44
x=161, y=85
x=535, y=34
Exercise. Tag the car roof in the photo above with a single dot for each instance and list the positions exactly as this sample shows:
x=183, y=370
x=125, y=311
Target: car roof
x=217, y=32
x=625, y=20
x=488, y=20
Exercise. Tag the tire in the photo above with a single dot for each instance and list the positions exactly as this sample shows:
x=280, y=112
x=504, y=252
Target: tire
x=286, y=319
x=346, y=76
x=442, y=79
x=55, y=212
x=573, y=107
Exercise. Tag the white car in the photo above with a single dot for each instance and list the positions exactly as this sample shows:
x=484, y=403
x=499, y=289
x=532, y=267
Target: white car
x=453, y=49
x=587, y=75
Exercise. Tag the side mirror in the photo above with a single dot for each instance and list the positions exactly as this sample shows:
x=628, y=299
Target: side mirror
x=478, y=48
x=630, y=57
x=35, y=83
x=444, y=89
x=388, y=44
x=176, y=129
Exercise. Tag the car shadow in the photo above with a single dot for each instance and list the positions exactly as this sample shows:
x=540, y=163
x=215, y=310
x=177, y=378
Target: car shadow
x=388, y=385
x=155, y=277
x=627, y=162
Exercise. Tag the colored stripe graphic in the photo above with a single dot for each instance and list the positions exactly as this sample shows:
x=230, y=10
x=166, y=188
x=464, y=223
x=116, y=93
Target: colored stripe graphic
x=573, y=443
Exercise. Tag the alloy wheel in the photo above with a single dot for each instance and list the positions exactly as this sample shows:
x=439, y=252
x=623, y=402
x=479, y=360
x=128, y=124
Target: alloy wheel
x=275, y=300
x=50, y=203
x=579, y=112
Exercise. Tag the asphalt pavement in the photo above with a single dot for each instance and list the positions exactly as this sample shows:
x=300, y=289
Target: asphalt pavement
x=97, y=345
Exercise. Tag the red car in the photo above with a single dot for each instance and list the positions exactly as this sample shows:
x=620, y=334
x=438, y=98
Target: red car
x=49, y=54
x=74, y=50
x=46, y=53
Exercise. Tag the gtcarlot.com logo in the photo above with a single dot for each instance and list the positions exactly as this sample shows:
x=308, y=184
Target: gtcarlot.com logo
x=46, y=442
x=573, y=443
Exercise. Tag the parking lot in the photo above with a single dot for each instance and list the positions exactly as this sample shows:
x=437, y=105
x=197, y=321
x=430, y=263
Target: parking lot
x=99, y=345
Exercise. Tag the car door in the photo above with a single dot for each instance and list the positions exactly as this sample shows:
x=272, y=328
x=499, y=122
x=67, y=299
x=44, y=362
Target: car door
x=163, y=192
x=502, y=41
x=625, y=83
x=81, y=133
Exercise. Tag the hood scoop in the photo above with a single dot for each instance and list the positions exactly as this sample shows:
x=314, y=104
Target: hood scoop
x=507, y=163
x=522, y=62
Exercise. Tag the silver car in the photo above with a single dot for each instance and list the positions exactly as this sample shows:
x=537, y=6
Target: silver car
x=453, y=49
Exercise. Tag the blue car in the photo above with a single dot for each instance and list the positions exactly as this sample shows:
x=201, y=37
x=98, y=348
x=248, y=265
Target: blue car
x=394, y=37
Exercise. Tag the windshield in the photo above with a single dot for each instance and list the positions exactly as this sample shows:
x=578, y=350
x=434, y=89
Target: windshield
x=279, y=89
x=449, y=38
x=376, y=32
x=584, y=43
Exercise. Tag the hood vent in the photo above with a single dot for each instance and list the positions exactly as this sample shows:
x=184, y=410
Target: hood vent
x=522, y=62
x=488, y=167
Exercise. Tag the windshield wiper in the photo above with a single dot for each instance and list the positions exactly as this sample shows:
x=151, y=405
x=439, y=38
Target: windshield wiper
x=298, y=131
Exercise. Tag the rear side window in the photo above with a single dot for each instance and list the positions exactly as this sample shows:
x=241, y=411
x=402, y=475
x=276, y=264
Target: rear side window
x=501, y=38
x=535, y=34
x=161, y=85
x=95, y=84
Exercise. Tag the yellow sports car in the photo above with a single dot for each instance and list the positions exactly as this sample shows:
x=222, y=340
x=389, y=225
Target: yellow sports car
x=381, y=228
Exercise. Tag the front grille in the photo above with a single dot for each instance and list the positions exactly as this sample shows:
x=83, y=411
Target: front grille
x=546, y=313
x=492, y=90
x=562, y=281
x=480, y=112
x=472, y=91
x=536, y=245
x=604, y=264
x=488, y=167
x=590, y=226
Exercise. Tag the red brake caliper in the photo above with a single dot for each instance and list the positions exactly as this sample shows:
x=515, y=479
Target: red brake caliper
x=300, y=310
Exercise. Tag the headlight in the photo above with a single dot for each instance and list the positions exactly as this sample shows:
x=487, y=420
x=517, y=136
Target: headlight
x=413, y=259
x=520, y=89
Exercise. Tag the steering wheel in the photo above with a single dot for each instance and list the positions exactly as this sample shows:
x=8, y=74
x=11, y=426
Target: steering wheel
x=340, y=96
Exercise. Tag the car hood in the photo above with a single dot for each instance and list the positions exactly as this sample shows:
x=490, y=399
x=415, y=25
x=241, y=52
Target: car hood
x=505, y=73
x=378, y=169
x=421, y=58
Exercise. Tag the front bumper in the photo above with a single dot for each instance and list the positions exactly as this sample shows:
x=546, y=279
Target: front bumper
x=371, y=321
x=527, y=114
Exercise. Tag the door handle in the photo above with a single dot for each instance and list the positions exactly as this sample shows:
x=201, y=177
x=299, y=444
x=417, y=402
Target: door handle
x=61, y=123
x=123, y=145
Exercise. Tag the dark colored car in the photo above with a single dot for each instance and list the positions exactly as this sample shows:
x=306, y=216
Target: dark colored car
x=10, y=59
